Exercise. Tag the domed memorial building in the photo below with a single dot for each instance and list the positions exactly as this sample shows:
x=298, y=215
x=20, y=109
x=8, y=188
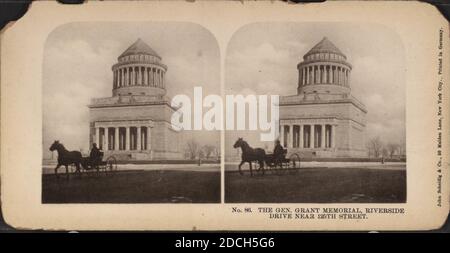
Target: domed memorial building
x=135, y=122
x=323, y=118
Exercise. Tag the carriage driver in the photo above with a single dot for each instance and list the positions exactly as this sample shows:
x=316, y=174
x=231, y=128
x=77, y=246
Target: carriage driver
x=278, y=151
x=95, y=154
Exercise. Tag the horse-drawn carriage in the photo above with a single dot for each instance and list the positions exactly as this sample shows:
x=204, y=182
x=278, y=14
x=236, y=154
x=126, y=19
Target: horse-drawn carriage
x=98, y=163
x=281, y=164
x=276, y=163
x=77, y=162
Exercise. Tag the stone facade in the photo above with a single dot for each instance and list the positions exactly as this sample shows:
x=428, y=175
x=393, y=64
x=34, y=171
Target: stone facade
x=323, y=118
x=135, y=122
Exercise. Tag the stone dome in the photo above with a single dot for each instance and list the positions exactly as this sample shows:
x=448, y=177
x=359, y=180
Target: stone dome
x=139, y=47
x=325, y=46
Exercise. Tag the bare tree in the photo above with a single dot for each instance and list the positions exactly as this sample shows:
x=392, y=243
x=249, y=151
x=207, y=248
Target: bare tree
x=193, y=148
x=375, y=146
x=208, y=151
x=392, y=149
x=402, y=148
x=384, y=152
x=216, y=152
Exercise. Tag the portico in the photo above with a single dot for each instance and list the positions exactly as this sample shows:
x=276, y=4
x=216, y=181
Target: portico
x=130, y=135
x=302, y=135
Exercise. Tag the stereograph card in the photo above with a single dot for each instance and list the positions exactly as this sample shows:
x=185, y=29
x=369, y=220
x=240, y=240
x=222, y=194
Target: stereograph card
x=221, y=115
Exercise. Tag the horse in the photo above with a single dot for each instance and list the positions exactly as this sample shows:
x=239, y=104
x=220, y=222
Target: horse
x=250, y=154
x=66, y=157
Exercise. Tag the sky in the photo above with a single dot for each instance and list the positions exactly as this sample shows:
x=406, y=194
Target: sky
x=262, y=58
x=77, y=67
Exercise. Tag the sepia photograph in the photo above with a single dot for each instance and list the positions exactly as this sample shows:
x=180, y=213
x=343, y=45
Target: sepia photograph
x=108, y=136
x=341, y=109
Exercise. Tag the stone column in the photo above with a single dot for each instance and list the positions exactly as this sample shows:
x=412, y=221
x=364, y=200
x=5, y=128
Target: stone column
x=116, y=138
x=142, y=75
x=145, y=76
x=300, y=136
x=319, y=74
x=310, y=73
x=114, y=79
x=131, y=81
x=338, y=75
x=139, y=138
x=322, y=137
x=333, y=138
x=129, y=76
x=303, y=76
x=149, y=81
x=127, y=139
x=307, y=75
x=155, y=80
x=295, y=136
x=282, y=135
x=290, y=136
x=330, y=77
x=346, y=77
x=119, y=77
x=122, y=77
x=324, y=74
x=134, y=76
x=315, y=74
x=152, y=77
x=311, y=136
x=334, y=75
x=97, y=136
x=149, y=141
x=138, y=76
x=106, y=139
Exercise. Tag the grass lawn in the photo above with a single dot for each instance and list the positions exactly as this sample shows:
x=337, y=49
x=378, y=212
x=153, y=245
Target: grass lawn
x=318, y=185
x=133, y=187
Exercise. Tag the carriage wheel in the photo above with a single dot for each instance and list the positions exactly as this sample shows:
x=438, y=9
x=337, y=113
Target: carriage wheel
x=271, y=168
x=111, y=164
x=294, y=163
x=278, y=168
